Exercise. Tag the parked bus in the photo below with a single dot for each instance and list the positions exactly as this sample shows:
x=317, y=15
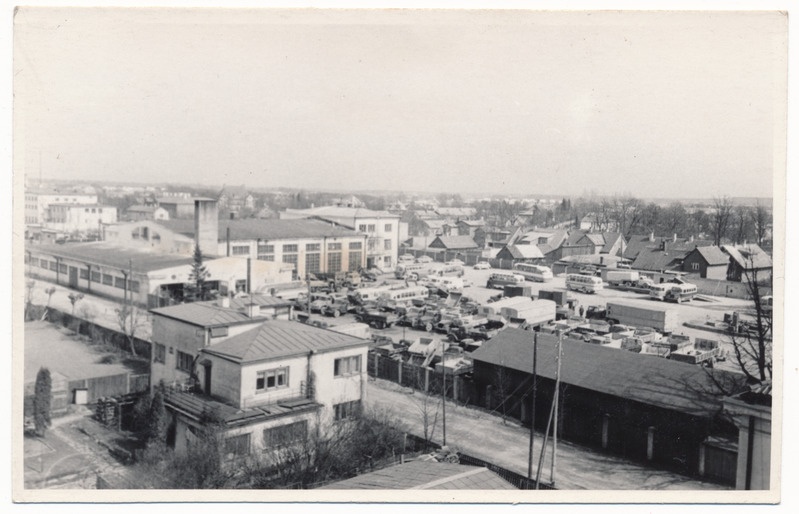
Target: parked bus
x=533, y=272
x=669, y=292
x=584, y=283
x=404, y=269
x=406, y=294
x=500, y=280
x=365, y=294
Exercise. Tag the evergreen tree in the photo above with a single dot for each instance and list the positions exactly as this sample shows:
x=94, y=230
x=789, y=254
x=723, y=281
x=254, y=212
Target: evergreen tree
x=157, y=422
x=41, y=401
x=197, y=288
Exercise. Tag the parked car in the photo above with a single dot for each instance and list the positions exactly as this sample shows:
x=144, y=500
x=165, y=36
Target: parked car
x=424, y=259
x=336, y=308
x=482, y=265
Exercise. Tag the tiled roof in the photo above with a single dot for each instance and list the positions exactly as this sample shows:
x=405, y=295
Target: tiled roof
x=652, y=259
x=426, y=475
x=278, y=338
x=646, y=379
x=204, y=314
x=120, y=257
x=713, y=255
x=266, y=229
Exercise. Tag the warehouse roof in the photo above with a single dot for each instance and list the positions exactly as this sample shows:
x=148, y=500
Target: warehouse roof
x=269, y=229
x=646, y=379
x=113, y=256
x=205, y=314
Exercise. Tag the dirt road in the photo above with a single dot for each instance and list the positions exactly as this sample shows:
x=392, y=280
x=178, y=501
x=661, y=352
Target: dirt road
x=506, y=443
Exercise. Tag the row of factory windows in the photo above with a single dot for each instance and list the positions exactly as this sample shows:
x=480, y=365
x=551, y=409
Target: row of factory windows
x=96, y=276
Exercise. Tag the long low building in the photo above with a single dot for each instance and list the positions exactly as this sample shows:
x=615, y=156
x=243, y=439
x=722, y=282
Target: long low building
x=148, y=278
x=638, y=406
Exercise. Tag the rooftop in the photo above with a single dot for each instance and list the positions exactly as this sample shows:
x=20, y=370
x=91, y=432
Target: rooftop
x=266, y=229
x=334, y=211
x=656, y=381
x=426, y=475
x=713, y=255
x=456, y=242
x=278, y=338
x=205, y=314
x=121, y=257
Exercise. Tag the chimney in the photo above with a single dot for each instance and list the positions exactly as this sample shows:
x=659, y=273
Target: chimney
x=601, y=259
x=253, y=310
x=652, y=236
x=206, y=225
x=224, y=301
x=674, y=237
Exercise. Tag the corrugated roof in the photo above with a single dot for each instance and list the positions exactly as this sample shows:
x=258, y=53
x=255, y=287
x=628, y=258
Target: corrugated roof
x=204, y=314
x=426, y=475
x=651, y=380
x=265, y=229
x=713, y=255
x=278, y=338
x=120, y=257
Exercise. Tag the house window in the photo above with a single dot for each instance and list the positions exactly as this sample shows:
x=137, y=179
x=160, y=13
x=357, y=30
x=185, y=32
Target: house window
x=357, y=245
x=347, y=410
x=219, y=331
x=62, y=268
x=334, y=247
x=84, y=274
x=387, y=244
x=333, y=262
x=264, y=248
x=96, y=276
x=290, y=248
x=290, y=259
x=695, y=266
x=119, y=282
x=388, y=227
x=237, y=445
x=184, y=362
x=370, y=228
x=346, y=366
x=312, y=263
x=272, y=379
x=387, y=262
x=108, y=280
x=285, y=435
x=159, y=353
x=313, y=247
x=354, y=261
x=270, y=258
x=361, y=228
x=240, y=250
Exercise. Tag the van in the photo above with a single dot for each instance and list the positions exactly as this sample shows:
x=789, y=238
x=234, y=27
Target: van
x=584, y=283
x=500, y=280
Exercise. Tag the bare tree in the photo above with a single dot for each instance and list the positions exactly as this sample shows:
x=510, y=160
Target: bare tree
x=130, y=321
x=742, y=223
x=721, y=218
x=752, y=341
x=74, y=298
x=761, y=219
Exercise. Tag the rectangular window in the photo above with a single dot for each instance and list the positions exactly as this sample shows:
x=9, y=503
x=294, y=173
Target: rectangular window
x=313, y=247
x=96, y=276
x=285, y=435
x=134, y=286
x=334, y=247
x=159, y=353
x=219, y=331
x=184, y=361
x=333, y=262
x=387, y=244
x=119, y=282
x=237, y=445
x=44, y=264
x=346, y=366
x=290, y=248
x=84, y=274
x=347, y=410
x=312, y=263
x=388, y=227
x=357, y=245
x=370, y=228
x=270, y=258
x=387, y=262
x=108, y=280
x=695, y=266
x=62, y=268
x=290, y=259
x=264, y=248
x=272, y=379
x=240, y=250
x=354, y=261
x=361, y=228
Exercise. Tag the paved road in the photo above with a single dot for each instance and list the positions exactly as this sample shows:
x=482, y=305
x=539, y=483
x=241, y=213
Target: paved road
x=488, y=437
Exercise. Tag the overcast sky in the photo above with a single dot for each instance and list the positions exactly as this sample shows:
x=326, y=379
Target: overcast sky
x=658, y=105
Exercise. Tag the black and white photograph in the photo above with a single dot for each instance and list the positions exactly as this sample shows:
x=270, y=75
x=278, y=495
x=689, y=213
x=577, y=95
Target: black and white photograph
x=339, y=255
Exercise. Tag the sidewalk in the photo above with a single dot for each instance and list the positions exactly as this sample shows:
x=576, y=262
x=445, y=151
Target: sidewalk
x=506, y=444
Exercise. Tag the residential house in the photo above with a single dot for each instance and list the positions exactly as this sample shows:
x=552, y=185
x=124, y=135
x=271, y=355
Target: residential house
x=707, y=262
x=520, y=253
x=643, y=407
x=271, y=385
x=497, y=237
x=382, y=230
x=235, y=199
x=146, y=212
x=748, y=260
x=456, y=213
x=458, y=243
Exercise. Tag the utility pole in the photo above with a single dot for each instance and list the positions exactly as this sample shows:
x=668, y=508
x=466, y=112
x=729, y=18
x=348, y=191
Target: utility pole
x=443, y=397
x=558, y=357
x=532, y=413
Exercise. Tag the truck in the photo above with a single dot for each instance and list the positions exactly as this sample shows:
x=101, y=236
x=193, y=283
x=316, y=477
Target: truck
x=539, y=313
x=518, y=290
x=626, y=279
x=376, y=318
x=703, y=351
x=659, y=317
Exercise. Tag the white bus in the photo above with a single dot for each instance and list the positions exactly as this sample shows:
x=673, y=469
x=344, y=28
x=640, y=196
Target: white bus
x=404, y=269
x=670, y=292
x=500, y=280
x=584, y=283
x=406, y=294
x=533, y=272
